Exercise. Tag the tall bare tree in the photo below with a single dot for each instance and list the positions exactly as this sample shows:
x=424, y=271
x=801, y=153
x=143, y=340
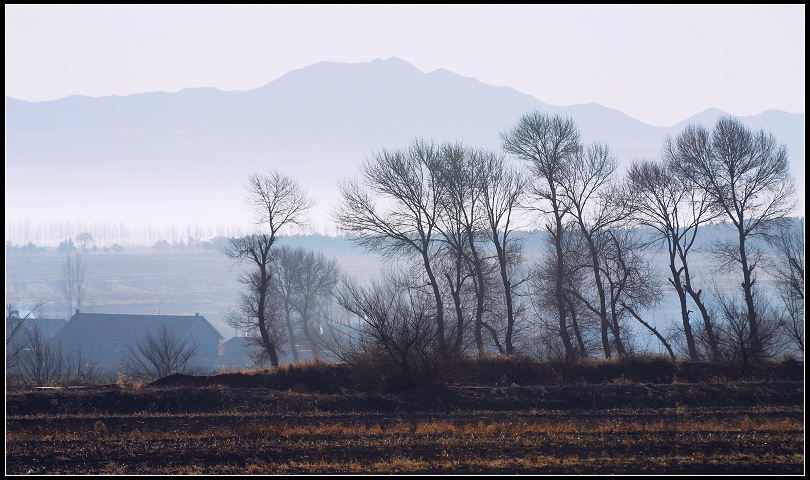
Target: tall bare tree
x=254, y=310
x=394, y=210
x=317, y=278
x=502, y=189
x=631, y=283
x=278, y=202
x=286, y=266
x=582, y=322
x=74, y=274
x=302, y=286
x=461, y=226
x=591, y=192
x=746, y=176
x=788, y=271
x=674, y=209
x=548, y=144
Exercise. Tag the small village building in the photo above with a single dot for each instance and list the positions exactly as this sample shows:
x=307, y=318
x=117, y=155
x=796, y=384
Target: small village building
x=22, y=327
x=105, y=338
x=239, y=352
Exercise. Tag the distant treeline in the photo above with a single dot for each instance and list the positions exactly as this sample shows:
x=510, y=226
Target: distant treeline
x=107, y=233
x=532, y=240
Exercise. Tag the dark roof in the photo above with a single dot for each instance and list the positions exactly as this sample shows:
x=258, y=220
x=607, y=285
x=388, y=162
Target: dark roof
x=89, y=327
x=240, y=341
x=48, y=326
x=240, y=344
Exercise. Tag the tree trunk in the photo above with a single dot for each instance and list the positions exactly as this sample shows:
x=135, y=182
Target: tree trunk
x=748, y=290
x=559, y=279
x=687, y=327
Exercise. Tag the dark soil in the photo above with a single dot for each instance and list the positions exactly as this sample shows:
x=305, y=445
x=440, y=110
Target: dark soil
x=235, y=424
x=209, y=399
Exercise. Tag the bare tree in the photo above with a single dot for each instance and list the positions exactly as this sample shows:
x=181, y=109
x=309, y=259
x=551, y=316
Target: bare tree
x=674, y=209
x=549, y=144
x=16, y=333
x=591, y=191
x=278, y=201
x=395, y=210
x=160, y=353
x=74, y=273
x=788, y=271
x=317, y=278
x=631, y=282
x=582, y=322
x=502, y=189
x=302, y=285
x=739, y=344
x=33, y=358
x=255, y=309
x=452, y=263
x=461, y=225
x=42, y=362
x=395, y=328
x=287, y=265
x=81, y=369
x=746, y=177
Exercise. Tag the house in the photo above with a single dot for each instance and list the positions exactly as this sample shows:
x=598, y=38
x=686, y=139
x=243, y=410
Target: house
x=21, y=331
x=21, y=327
x=239, y=352
x=105, y=338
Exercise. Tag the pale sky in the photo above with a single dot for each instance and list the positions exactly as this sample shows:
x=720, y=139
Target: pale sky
x=657, y=64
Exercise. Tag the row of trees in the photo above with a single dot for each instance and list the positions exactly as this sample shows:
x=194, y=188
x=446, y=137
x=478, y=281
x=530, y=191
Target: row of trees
x=106, y=233
x=446, y=214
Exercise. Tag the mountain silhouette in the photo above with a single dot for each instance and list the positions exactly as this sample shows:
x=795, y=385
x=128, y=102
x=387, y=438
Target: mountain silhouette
x=183, y=158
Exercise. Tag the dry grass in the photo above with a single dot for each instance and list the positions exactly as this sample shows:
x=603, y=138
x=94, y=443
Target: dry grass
x=330, y=427
x=735, y=443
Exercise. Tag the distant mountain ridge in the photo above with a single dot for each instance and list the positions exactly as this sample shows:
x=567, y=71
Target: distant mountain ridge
x=182, y=158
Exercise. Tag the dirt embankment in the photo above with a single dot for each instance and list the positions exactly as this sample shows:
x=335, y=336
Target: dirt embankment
x=206, y=399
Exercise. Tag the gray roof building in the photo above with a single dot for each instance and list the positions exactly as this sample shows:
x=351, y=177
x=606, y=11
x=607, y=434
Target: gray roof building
x=106, y=337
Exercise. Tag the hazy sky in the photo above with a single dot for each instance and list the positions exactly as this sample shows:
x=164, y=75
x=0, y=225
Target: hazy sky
x=658, y=64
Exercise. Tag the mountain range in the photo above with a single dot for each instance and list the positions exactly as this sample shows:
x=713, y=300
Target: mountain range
x=176, y=159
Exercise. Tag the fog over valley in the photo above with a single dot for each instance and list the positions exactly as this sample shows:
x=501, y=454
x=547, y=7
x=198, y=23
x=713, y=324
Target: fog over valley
x=179, y=161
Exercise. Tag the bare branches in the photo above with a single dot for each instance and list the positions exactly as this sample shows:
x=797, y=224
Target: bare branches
x=397, y=206
x=74, y=273
x=547, y=144
x=675, y=208
x=397, y=209
x=788, y=271
x=160, y=353
x=277, y=200
x=396, y=324
x=15, y=327
x=745, y=176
